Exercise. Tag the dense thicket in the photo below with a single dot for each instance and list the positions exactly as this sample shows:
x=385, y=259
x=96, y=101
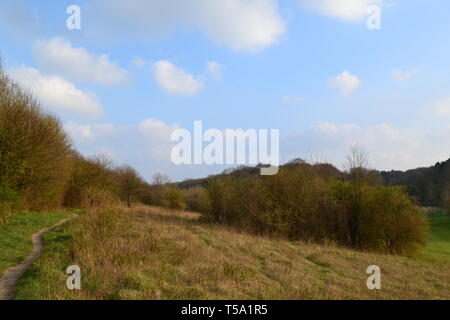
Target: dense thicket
x=33, y=151
x=38, y=168
x=91, y=183
x=163, y=193
x=307, y=203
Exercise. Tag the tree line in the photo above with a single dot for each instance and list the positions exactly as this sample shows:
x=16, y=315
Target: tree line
x=40, y=170
x=430, y=185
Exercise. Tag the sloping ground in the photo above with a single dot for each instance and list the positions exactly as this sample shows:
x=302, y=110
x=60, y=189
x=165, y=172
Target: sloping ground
x=8, y=281
x=15, y=235
x=151, y=253
x=438, y=249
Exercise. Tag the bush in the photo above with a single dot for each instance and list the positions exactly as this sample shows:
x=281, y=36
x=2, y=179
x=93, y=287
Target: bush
x=91, y=183
x=174, y=198
x=196, y=199
x=392, y=222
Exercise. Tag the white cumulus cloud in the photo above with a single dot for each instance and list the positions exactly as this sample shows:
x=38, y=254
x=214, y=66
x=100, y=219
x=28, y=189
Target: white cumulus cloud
x=345, y=82
x=248, y=25
x=56, y=93
x=349, y=10
x=175, y=80
x=58, y=56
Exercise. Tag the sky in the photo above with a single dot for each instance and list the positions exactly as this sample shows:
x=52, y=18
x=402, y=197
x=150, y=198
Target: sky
x=137, y=70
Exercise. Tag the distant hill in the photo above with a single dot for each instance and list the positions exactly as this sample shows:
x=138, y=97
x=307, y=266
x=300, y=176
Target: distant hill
x=246, y=171
x=426, y=184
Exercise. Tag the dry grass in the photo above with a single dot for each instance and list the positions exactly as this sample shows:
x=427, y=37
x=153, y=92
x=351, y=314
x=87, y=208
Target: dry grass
x=153, y=253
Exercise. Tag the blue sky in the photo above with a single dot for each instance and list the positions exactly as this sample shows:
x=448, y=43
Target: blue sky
x=138, y=69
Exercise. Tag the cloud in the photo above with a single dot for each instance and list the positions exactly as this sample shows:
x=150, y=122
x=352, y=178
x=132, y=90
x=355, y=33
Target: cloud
x=58, y=56
x=348, y=10
x=389, y=148
x=56, y=93
x=439, y=108
x=175, y=80
x=404, y=75
x=345, y=82
x=248, y=25
x=214, y=69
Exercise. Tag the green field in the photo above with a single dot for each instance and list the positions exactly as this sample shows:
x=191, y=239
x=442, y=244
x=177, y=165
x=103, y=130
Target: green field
x=438, y=248
x=15, y=236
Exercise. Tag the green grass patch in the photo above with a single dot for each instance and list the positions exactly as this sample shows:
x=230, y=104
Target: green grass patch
x=49, y=268
x=15, y=235
x=438, y=248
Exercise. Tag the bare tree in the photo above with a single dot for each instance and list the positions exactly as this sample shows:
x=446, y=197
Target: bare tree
x=357, y=162
x=160, y=179
x=356, y=165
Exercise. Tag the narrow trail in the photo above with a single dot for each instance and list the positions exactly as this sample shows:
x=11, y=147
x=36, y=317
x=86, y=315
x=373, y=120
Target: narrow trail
x=8, y=282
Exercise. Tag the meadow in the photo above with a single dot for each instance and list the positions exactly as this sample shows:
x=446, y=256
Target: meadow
x=154, y=253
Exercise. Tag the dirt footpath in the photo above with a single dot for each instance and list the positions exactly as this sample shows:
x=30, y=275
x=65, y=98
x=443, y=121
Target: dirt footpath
x=8, y=282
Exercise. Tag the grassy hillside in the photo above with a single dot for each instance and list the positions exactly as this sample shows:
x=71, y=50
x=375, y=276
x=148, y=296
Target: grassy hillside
x=15, y=236
x=438, y=248
x=151, y=253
